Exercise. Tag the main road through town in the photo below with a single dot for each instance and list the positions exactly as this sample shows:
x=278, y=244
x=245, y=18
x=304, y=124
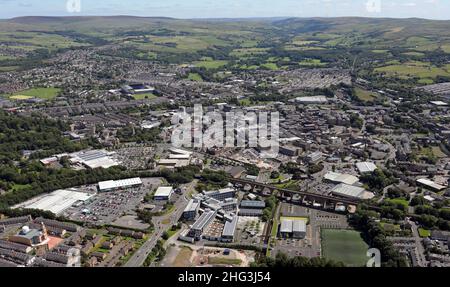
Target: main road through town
x=162, y=224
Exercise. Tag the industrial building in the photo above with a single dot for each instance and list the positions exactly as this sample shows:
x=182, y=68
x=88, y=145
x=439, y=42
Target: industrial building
x=430, y=184
x=293, y=228
x=93, y=159
x=335, y=177
x=57, y=201
x=179, y=151
x=311, y=100
x=366, y=167
x=350, y=191
x=112, y=185
x=163, y=193
x=173, y=163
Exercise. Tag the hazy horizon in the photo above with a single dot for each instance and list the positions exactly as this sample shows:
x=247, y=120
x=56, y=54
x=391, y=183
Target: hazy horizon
x=210, y=9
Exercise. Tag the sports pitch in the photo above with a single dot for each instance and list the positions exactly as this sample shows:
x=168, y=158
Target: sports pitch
x=345, y=246
x=42, y=93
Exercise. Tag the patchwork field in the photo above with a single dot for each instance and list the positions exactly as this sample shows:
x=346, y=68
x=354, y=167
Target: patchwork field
x=415, y=69
x=210, y=64
x=345, y=246
x=312, y=63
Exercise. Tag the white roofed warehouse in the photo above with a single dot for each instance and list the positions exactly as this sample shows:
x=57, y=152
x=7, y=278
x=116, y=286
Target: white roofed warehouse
x=112, y=185
x=429, y=184
x=163, y=193
x=293, y=228
x=352, y=192
x=57, y=201
x=341, y=178
x=366, y=167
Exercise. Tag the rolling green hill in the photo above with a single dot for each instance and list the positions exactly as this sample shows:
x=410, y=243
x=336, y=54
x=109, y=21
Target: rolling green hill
x=367, y=45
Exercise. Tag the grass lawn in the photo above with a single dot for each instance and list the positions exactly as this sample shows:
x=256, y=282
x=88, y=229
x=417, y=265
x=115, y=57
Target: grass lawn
x=210, y=64
x=144, y=96
x=41, y=93
x=414, y=54
x=270, y=66
x=424, y=232
x=434, y=151
x=291, y=184
x=311, y=63
x=274, y=228
x=380, y=51
x=390, y=227
x=171, y=232
x=345, y=246
x=401, y=201
x=365, y=96
x=411, y=69
x=8, y=68
x=438, y=152
x=225, y=261
x=195, y=77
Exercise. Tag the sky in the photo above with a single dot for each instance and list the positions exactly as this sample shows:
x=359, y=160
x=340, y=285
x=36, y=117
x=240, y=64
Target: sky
x=430, y=9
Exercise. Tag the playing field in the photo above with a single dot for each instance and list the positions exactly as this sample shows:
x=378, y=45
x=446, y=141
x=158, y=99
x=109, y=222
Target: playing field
x=41, y=93
x=345, y=246
x=148, y=96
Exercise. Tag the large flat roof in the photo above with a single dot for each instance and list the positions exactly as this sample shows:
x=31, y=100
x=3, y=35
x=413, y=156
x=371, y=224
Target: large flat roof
x=113, y=184
x=312, y=99
x=94, y=159
x=299, y=225
x=192, y=205
x=230, y=227
x=286, y=226
x=56, y=202
x=203, y=220
x=163, y=191
x=364, y=167
x=341, y=177
x=430, y=183
x=351, y=191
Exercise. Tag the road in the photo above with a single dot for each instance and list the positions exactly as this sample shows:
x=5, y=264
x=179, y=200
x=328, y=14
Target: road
x=422, y=261
x=162, y=224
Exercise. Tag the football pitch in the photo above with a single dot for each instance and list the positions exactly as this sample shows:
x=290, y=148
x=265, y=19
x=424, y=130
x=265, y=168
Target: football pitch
x=345, y=246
